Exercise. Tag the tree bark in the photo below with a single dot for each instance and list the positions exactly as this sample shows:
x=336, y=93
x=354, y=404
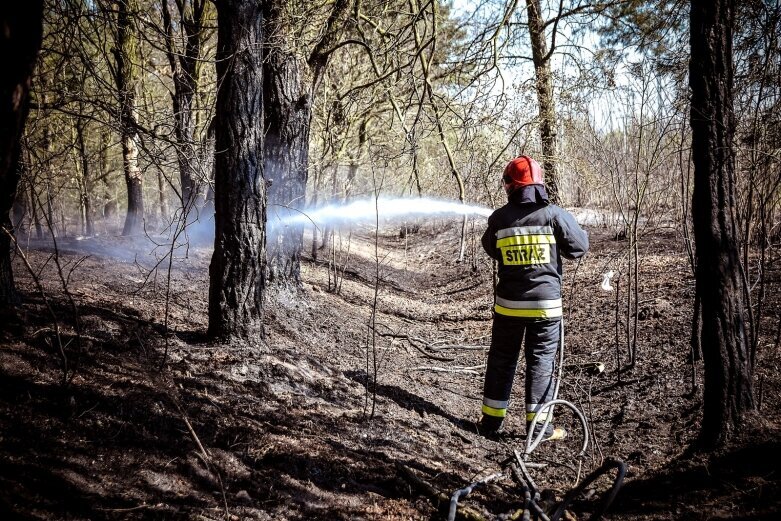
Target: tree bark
x=20, y=40
x=86, y=181
x=547, y=106
x=34, y=212
x=288, y=112
x=162, y=198
x=728, y=371
x=186, y=154
x=207, y=161
x=126, y=79
x=236, y=270
x=134, y=182
x=186, y=66
x=288, y=104
x=108, y=204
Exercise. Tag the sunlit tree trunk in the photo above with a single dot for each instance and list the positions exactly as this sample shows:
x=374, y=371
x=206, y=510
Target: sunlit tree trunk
x=236, y=270
x=20, y=40
x=547, y=106
x=728, y=371
x=126, y=79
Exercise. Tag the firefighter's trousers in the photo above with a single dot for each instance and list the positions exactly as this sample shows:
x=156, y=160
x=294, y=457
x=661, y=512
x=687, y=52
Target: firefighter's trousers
x=540, y=344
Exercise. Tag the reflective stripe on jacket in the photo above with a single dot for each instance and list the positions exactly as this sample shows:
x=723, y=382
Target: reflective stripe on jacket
x=528, y=241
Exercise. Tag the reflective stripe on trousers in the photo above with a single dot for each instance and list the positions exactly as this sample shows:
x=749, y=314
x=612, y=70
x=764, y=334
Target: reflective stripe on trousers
x=495, y=408
x=540, y=345
x=534, y=409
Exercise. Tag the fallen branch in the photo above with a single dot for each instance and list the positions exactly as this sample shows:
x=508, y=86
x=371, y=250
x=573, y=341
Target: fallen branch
x=464, y=370
x=196, y=439
x=205, y=457
x=131, y=509
x=466, y=288
x=414, y=342
x=458, y=346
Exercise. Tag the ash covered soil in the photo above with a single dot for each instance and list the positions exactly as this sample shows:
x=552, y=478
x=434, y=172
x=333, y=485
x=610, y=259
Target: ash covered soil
x=156, y=425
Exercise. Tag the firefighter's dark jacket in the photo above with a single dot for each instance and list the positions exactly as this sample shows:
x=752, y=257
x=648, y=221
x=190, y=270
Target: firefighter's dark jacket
x=528, y=240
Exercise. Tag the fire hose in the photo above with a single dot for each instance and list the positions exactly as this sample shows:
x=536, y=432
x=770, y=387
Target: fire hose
x=519, y=464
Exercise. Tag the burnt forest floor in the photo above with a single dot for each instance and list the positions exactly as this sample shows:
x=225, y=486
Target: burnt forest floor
x=153, y=425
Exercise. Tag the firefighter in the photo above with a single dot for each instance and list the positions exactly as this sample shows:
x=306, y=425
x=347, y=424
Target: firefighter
x=527, y=237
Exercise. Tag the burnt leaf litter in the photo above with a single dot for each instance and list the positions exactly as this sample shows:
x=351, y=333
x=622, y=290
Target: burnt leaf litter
x=282, y=427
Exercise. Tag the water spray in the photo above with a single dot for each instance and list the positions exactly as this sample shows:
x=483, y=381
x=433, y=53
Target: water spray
x=366, y=211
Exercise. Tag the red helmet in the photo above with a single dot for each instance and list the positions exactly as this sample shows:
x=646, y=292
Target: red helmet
x=521, y=171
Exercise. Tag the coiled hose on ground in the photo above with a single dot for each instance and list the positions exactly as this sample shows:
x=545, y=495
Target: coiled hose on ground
x=519, y=468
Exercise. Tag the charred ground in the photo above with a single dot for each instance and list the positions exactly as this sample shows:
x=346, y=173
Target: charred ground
x=171, y=426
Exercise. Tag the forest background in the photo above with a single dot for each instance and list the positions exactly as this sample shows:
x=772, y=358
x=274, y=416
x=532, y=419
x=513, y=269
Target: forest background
x=165, y=120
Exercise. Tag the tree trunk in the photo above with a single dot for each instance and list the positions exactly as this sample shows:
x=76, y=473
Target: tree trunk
x=108, y=196
x=207, y=162
x=728, y=371
x=134, y=182
x=86, y=179
x=34, y=212
x=328, y=231
x=162, y=199
x=547, y=106
x=287, y=102
x=20, y=40
x=185, y=61
x=20, y=211
x=126, y=57
x=49, y=211
x=186, y=154
x=236, y=270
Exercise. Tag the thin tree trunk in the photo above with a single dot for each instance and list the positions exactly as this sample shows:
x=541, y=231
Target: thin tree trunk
x=109, y=206
x=34, y=212
x=185, y=151
x=49, y=213
x=86, y=179
x=328, y=231
x=236, y=270
x=48, y=210
x=547, y=106
x=161, y=197
x=207, y=161
x=728, y=372
x=185, y=63
x=313, y=204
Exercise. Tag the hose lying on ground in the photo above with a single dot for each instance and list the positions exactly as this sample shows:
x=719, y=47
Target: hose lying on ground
x=519, y=468
x=609, y=496
x=451, y=515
